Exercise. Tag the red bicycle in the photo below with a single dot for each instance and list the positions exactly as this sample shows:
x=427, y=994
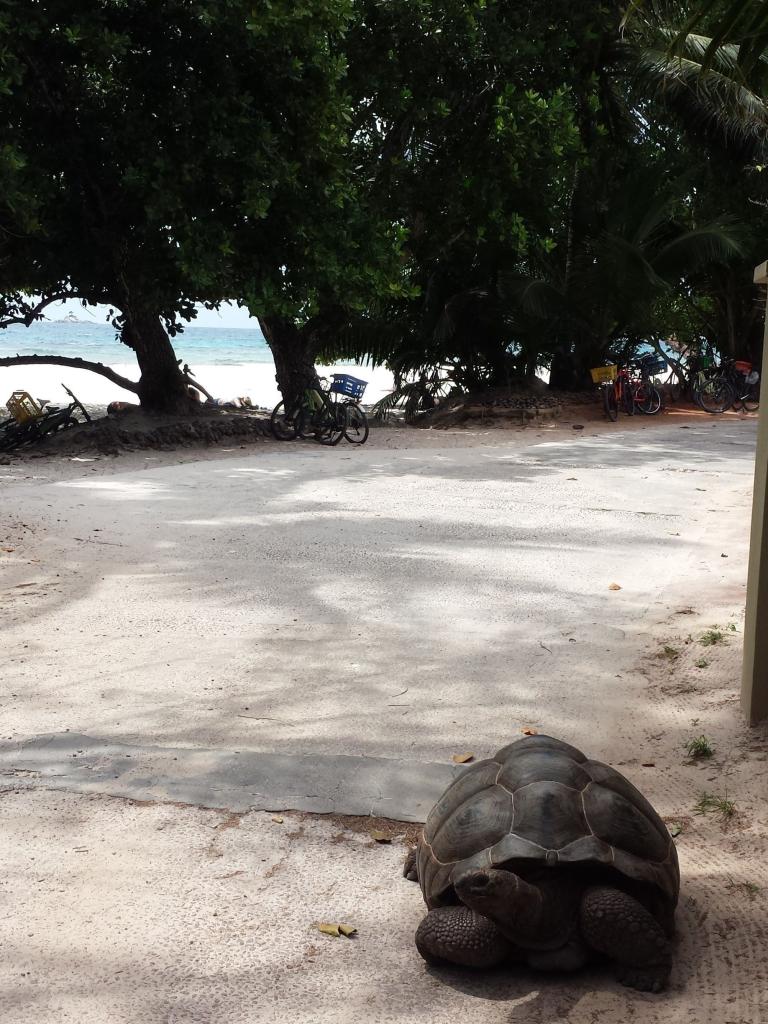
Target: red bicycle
x=629, y=388
x=616, y=384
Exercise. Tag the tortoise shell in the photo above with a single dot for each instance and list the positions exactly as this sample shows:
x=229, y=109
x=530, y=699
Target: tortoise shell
x=541, y=803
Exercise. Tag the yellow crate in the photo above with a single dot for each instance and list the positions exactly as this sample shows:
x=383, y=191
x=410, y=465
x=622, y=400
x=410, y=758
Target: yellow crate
x=602, y=374
x=23, y=407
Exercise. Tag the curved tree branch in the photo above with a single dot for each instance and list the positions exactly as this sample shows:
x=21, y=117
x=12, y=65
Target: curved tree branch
x=24, y=314
x=76, y=364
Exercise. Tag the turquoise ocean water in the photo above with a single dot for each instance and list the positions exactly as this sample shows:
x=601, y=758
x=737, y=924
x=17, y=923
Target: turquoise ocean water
x=198, y=346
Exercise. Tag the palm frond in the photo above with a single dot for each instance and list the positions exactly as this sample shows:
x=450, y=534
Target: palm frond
x=712, y=99
x=455, y=309
x=743, y=23
x=535, y=297
x=712, y=243
x=364, y=341
x=621, y=273
x=409, y=394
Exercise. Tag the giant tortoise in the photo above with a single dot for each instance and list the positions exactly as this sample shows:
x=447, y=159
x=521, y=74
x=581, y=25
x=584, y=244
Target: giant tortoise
x=544, y=856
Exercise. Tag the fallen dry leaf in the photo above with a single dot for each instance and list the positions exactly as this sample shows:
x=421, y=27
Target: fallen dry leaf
x=529, y=731
x=463, y=758
x=347, y=930
x=614, y=586
x=380, y=837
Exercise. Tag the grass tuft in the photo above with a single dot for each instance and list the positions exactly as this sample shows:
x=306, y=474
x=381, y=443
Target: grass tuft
x=750, y=889
x=712, y=637
x=670, y=653
x=710, y=803
x=700, y=747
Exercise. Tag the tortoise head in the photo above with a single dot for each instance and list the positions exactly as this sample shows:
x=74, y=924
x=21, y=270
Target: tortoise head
x=512, y=904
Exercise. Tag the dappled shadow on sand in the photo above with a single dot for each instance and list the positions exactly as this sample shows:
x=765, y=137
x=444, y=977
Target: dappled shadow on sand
x=368, y=602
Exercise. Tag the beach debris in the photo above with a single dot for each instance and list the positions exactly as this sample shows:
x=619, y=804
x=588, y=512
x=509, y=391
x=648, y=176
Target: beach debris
x=380, y=837
x=337, y=929
x=463, y=758
x=529, y=731
x=278, y=820
x=614, y=586
x=675, y=828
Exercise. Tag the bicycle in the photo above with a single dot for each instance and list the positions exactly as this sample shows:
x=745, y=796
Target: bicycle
x=733, y=384
x=616, y=386
x=646, y=395
x=322, y=414
x=32, y=421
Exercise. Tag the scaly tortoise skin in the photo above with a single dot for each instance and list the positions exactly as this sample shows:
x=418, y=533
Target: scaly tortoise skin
x=542, y=855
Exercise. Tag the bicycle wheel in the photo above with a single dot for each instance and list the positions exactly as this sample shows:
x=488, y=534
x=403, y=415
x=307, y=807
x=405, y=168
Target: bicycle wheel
x=305, y=424
x=355, y=424
x=751, y=399
x=716, y=395
x=648, y=400
x=330, y=429
x=610, y=402
x=18, y=435
x=283, y=426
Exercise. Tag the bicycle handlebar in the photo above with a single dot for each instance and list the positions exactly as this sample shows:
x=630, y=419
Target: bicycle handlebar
x=76, y=401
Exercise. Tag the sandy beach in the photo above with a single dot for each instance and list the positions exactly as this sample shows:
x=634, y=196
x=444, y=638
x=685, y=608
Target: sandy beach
x=256, y=380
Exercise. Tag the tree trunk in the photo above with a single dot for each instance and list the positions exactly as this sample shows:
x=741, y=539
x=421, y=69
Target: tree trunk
x=293, y=350
x=162, y=387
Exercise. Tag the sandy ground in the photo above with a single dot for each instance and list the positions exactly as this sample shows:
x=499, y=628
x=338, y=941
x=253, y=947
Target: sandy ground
x=256, y=380
x=414, y=598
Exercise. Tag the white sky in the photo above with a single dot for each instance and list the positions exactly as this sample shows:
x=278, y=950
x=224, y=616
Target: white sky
x=228, y=316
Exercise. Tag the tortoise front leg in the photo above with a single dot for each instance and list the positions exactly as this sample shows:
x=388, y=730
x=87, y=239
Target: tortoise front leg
x=458, y=935
x=616, y=924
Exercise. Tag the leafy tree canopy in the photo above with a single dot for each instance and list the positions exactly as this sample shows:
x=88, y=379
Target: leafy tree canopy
x=158, y=155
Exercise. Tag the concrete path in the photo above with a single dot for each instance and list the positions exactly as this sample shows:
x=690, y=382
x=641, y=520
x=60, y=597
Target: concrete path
x=236, y=781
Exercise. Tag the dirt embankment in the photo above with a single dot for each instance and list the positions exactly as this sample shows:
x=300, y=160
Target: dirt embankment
x=111, y=435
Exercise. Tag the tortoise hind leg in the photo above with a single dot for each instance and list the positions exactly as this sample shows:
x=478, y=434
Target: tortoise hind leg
x=458, y=935
x=620, y=927
x=409, y=867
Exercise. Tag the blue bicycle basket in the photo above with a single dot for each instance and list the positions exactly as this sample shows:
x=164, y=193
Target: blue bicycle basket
x=343, y=384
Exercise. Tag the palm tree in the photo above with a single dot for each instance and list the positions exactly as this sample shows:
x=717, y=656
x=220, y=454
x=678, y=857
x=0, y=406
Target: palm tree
x=719, y=78
x=635, y=251
x=743, y=24
x=702, y=81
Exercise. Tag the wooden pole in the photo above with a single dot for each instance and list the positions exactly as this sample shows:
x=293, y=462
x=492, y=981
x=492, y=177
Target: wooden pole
x=754, y=681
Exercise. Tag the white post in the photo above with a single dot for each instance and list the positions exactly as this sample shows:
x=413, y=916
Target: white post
x=754, y=681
